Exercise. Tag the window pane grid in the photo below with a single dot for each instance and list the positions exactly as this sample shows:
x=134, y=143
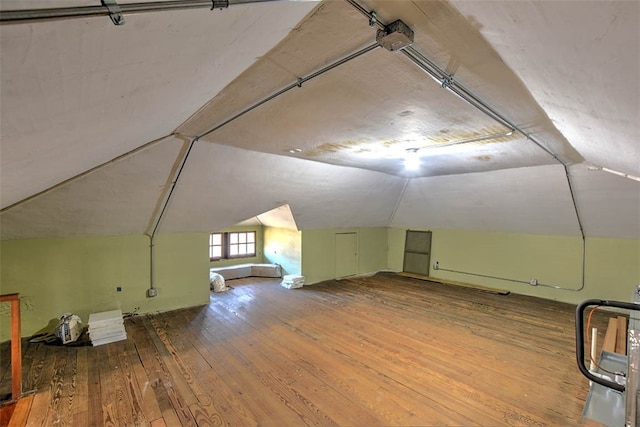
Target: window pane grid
x=241, y=244
x=215, y=245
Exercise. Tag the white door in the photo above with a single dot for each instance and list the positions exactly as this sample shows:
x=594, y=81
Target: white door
x=346, y=254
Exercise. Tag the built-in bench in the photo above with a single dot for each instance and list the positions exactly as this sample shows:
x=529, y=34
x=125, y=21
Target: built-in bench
x=248, y=270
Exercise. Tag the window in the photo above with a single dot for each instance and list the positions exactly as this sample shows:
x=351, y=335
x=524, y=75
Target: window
x=241, y=244
x=215, y=246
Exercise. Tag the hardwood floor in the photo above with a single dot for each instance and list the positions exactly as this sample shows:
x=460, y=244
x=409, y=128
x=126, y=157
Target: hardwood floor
x=379, y=351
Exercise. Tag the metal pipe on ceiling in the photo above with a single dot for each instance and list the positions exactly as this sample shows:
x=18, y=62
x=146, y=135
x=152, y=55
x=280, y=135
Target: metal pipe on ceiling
x=152, y=290
x=55, y=13
x=298, y=83
x=447, y=81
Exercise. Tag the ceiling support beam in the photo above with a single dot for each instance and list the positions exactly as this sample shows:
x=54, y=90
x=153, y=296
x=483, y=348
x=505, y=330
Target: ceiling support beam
x=447, y=81
x=28, y=15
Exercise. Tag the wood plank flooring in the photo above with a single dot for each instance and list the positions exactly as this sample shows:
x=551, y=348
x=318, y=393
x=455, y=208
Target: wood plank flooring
x=379, y=351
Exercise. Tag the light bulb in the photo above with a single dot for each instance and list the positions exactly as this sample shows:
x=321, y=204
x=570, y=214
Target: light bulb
x=412, y=160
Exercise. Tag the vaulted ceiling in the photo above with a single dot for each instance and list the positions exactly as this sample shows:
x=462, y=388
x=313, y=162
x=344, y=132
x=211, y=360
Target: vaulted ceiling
x=195, y=120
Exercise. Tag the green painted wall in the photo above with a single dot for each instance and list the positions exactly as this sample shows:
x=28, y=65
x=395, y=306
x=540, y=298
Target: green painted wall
x=283, y=246
x=259, y=258
x=372, y=250
x=182, y=271
x=395, y=255
x=318, y=252
x=612, y=265
x=80, y=275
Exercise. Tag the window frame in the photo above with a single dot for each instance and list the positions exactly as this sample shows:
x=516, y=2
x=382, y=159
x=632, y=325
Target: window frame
x=241, y=240
x=246, y=238
x=212, y=245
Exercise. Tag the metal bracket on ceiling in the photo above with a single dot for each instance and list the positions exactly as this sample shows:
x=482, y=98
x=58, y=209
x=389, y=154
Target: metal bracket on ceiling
x=395, y=36
x=219, y=4
x=115, y=13
x=447, y=81
x=373, y=19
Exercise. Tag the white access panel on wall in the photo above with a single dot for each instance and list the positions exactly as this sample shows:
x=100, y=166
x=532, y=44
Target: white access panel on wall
x=417, y=252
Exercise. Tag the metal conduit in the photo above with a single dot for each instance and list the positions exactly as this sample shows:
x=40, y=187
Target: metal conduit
x=506, y=279
x=152, y=292
x=173, y=187
x=447, y=81
x=298, y=83
x=16, y=16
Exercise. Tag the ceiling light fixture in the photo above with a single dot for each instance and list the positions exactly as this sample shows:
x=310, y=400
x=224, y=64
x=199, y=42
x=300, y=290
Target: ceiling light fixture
x=412, y=159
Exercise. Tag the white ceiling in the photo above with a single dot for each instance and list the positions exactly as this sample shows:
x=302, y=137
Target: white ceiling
x=280, y=217
x=581, y=63
x=78, y=93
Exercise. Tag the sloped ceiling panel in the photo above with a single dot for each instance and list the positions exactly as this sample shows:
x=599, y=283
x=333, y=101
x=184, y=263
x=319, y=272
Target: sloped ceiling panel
x=609, y=204
x=119, y=198
x=223, y=185
x=581, y=62
x=77, y=93
x=368, y=112
x=280, y=217
x=315, y=42
x=454, y=43
x=524, y=200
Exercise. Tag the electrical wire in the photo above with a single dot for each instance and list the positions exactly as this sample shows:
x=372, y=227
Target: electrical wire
x=588, y=339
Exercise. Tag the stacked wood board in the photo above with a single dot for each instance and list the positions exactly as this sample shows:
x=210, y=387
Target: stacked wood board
x=615, y=339
x=106, y=327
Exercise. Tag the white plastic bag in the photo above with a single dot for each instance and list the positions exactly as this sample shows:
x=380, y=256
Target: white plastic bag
x=217, y=283
x=69, y=328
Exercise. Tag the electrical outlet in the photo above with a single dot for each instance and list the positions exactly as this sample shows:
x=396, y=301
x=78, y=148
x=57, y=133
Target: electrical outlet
x=152, y=292
x=436, y=265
